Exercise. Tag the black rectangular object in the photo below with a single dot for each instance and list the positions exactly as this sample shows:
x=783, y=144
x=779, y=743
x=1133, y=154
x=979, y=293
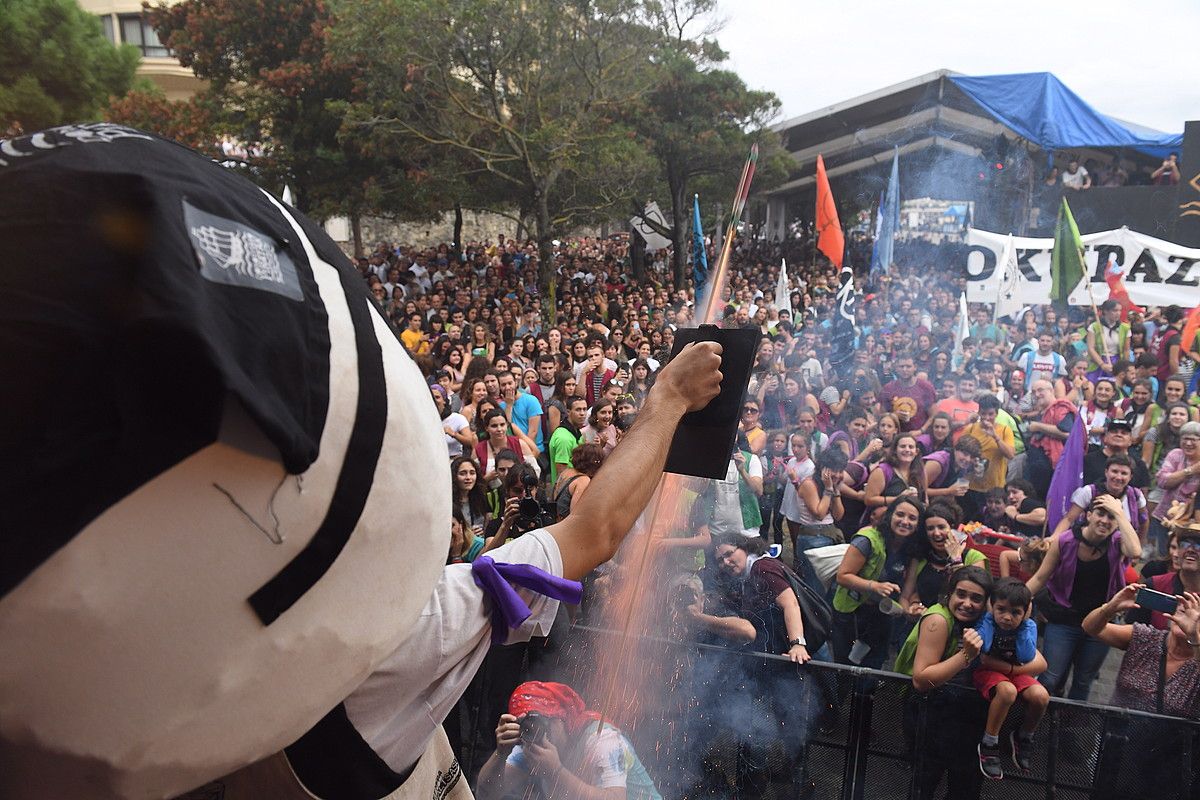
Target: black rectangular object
x=703, y=441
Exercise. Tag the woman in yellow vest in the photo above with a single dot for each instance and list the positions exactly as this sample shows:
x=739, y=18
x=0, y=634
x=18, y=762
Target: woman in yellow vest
x=871, y=574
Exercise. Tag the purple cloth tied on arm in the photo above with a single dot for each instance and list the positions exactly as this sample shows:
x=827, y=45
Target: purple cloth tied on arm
x=508, y=609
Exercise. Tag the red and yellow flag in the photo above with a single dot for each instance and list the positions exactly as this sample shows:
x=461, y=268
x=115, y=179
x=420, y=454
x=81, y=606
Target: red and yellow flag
x=830, y=239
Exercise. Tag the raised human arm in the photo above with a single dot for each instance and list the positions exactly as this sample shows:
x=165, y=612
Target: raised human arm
x=1187, y=617
x=1006, y=448
x=1175, y=470
x=1131, y=545
x=1097, y=625
x=1049, y=563
x=560, y=783
x=1068, y=520
x=930, y=670
x=620, y=490
x=466, y=437
x=496, y=779
x=755, y=482
x=817, y=500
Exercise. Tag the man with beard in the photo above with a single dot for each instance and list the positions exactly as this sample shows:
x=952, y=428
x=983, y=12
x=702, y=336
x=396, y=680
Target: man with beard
x=567, y=437
x=1052, y=421
x=919, y=392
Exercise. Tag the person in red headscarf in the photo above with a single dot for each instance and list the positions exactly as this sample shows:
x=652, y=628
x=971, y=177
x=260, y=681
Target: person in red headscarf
x=549, y=745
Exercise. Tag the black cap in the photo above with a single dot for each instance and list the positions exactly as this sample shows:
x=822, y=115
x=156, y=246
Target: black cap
x=1119, y=423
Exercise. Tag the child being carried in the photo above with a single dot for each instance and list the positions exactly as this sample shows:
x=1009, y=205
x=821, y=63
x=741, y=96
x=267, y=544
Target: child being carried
x=1008, y=668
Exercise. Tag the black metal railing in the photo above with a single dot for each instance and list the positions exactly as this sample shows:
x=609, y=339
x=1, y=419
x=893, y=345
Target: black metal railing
x=867, y=735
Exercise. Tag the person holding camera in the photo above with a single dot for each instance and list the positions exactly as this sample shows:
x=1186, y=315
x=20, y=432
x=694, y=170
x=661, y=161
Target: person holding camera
x=524, y=509
x=549, y=746
x=1159, y=673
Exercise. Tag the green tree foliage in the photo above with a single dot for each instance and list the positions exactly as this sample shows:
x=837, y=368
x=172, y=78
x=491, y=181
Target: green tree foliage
x=699, y=121
x=56, y=65
x=531, y=92
x=275, y=87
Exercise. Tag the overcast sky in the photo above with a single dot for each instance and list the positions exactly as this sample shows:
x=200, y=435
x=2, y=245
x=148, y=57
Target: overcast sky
x=1132, y=61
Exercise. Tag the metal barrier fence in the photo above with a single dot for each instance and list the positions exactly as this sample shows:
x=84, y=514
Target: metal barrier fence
x=739, y=724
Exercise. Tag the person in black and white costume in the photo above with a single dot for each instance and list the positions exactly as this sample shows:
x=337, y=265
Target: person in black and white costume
x=201, y=560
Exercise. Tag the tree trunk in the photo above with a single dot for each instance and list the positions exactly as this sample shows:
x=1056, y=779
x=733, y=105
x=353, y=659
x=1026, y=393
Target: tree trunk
x=458, y=225
x=637, y=254
x=541, y=223
x=679, y=227
x=356, y=234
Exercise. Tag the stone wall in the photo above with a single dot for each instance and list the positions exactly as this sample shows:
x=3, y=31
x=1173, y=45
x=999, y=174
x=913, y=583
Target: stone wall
x=477, y=226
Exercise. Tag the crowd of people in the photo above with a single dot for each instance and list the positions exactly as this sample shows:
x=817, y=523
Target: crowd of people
x=912, y=467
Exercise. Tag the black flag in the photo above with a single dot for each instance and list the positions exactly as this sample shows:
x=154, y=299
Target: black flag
x=844, y=330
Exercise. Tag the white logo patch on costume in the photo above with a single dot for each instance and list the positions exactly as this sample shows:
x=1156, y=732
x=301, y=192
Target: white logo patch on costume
x=53, y=138
x=237, y=255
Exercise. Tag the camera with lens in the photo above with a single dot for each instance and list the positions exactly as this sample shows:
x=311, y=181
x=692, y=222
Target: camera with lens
x=531, y=514
x=534, y=727
x=683, y=597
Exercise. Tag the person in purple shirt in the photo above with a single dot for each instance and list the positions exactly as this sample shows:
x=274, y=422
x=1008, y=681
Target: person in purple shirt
x=908, y=396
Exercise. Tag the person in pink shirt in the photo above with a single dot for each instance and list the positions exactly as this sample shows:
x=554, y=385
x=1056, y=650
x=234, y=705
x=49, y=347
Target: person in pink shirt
x=962, y=408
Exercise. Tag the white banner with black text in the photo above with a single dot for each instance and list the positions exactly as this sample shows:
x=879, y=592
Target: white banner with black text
x=1157, y=272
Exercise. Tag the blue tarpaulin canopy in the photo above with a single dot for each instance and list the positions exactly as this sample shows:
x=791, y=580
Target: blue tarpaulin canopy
x=1039, y=107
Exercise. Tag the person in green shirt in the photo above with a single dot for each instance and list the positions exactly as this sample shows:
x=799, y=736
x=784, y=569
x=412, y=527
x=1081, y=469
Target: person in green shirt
x=944, y=649
x=566, y=437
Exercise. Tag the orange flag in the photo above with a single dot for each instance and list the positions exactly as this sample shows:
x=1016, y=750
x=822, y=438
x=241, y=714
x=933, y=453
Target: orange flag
x=830, y=239
x=1189, y=331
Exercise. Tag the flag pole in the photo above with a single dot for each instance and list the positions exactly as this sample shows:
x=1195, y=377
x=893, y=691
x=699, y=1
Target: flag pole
x=1099, y=324
x=720, y=271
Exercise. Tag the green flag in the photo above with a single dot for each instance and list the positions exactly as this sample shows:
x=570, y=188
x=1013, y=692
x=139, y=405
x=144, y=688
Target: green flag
x=1066, y=261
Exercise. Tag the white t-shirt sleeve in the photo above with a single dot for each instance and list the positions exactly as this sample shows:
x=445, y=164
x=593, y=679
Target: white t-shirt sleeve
x=398, y=707
x=754, y=467
x=1082, y=497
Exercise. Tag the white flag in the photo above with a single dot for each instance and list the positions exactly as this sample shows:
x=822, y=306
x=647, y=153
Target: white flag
x=783, y=296
x=962, y=331
x=654, y=240
x=1007, y=302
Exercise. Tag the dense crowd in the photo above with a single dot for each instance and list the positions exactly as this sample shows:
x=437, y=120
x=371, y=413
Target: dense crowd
x=909, y=489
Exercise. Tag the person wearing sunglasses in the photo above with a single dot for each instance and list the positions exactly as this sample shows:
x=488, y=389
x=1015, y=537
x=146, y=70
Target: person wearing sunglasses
x=751, y=426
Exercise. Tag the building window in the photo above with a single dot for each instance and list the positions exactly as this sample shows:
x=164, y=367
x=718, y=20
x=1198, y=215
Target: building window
x=135, y=30
x=110, y=32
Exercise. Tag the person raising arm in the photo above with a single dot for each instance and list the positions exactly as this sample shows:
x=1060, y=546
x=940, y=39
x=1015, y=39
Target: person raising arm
x=619, y=492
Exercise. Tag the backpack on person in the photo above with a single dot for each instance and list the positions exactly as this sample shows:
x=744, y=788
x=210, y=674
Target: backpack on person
x=814, y=609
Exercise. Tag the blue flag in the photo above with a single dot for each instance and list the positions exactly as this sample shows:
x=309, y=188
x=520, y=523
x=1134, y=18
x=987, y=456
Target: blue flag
x=699, y=254
x=888, y=223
